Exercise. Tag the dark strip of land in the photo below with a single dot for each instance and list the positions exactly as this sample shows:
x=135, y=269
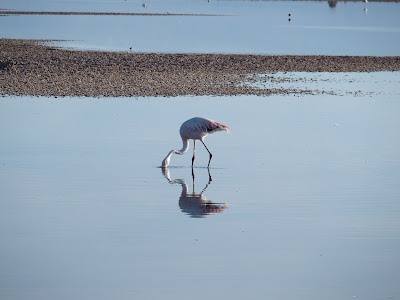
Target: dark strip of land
x=12, y=12
x=34, y=68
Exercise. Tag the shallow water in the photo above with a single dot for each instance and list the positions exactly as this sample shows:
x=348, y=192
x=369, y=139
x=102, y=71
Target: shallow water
x=301, y=200
x=348, y=83
x=259, y=27
x=304, y=199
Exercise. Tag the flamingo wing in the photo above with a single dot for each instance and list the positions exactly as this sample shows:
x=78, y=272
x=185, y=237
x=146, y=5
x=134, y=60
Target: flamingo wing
x=217, y=127
x=209, y=126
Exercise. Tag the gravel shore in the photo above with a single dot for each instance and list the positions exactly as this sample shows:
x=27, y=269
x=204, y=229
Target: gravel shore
x=85, y=13
x=32, y=68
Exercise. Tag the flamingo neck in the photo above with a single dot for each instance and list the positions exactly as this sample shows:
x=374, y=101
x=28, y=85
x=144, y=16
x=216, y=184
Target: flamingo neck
x=185, y=147
x=185, y=189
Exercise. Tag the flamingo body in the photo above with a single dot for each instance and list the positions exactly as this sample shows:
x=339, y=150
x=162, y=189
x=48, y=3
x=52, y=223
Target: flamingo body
x=195, y=129
x=198, y=128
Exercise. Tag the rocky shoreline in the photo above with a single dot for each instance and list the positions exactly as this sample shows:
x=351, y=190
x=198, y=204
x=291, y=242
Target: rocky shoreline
x=33, y=68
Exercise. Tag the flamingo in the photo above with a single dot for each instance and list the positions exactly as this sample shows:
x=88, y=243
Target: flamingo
x=195, y=129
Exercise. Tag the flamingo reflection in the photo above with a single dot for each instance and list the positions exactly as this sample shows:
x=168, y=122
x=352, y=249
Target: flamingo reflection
x=193, y=204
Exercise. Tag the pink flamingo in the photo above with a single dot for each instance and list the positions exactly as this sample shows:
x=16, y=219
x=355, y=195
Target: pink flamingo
x=195, y=129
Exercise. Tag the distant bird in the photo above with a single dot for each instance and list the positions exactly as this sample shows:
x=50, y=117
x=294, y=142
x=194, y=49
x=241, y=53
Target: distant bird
x=195, y=129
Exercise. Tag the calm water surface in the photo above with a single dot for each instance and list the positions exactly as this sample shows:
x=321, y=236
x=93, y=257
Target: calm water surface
x=261, y=27
x=303, y=202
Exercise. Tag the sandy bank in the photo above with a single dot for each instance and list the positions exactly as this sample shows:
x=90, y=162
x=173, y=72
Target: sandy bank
x=31, y=68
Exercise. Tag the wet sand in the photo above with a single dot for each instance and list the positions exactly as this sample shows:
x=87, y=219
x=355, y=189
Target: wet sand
x=32, y=68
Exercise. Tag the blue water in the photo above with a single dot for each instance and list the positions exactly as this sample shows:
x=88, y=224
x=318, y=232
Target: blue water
x=306, y=188
x=259, y=27
x=301, y=201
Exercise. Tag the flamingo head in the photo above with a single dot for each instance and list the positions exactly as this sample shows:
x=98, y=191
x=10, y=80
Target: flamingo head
x=165, y=162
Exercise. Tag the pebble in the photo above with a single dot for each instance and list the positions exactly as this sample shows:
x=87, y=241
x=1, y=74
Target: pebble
x=30, y=67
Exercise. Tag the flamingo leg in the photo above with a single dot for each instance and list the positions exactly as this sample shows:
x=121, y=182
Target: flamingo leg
x=208, y=152
x=194, y=150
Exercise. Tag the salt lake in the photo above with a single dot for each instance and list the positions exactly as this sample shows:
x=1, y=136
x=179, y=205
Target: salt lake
x=303, y=201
